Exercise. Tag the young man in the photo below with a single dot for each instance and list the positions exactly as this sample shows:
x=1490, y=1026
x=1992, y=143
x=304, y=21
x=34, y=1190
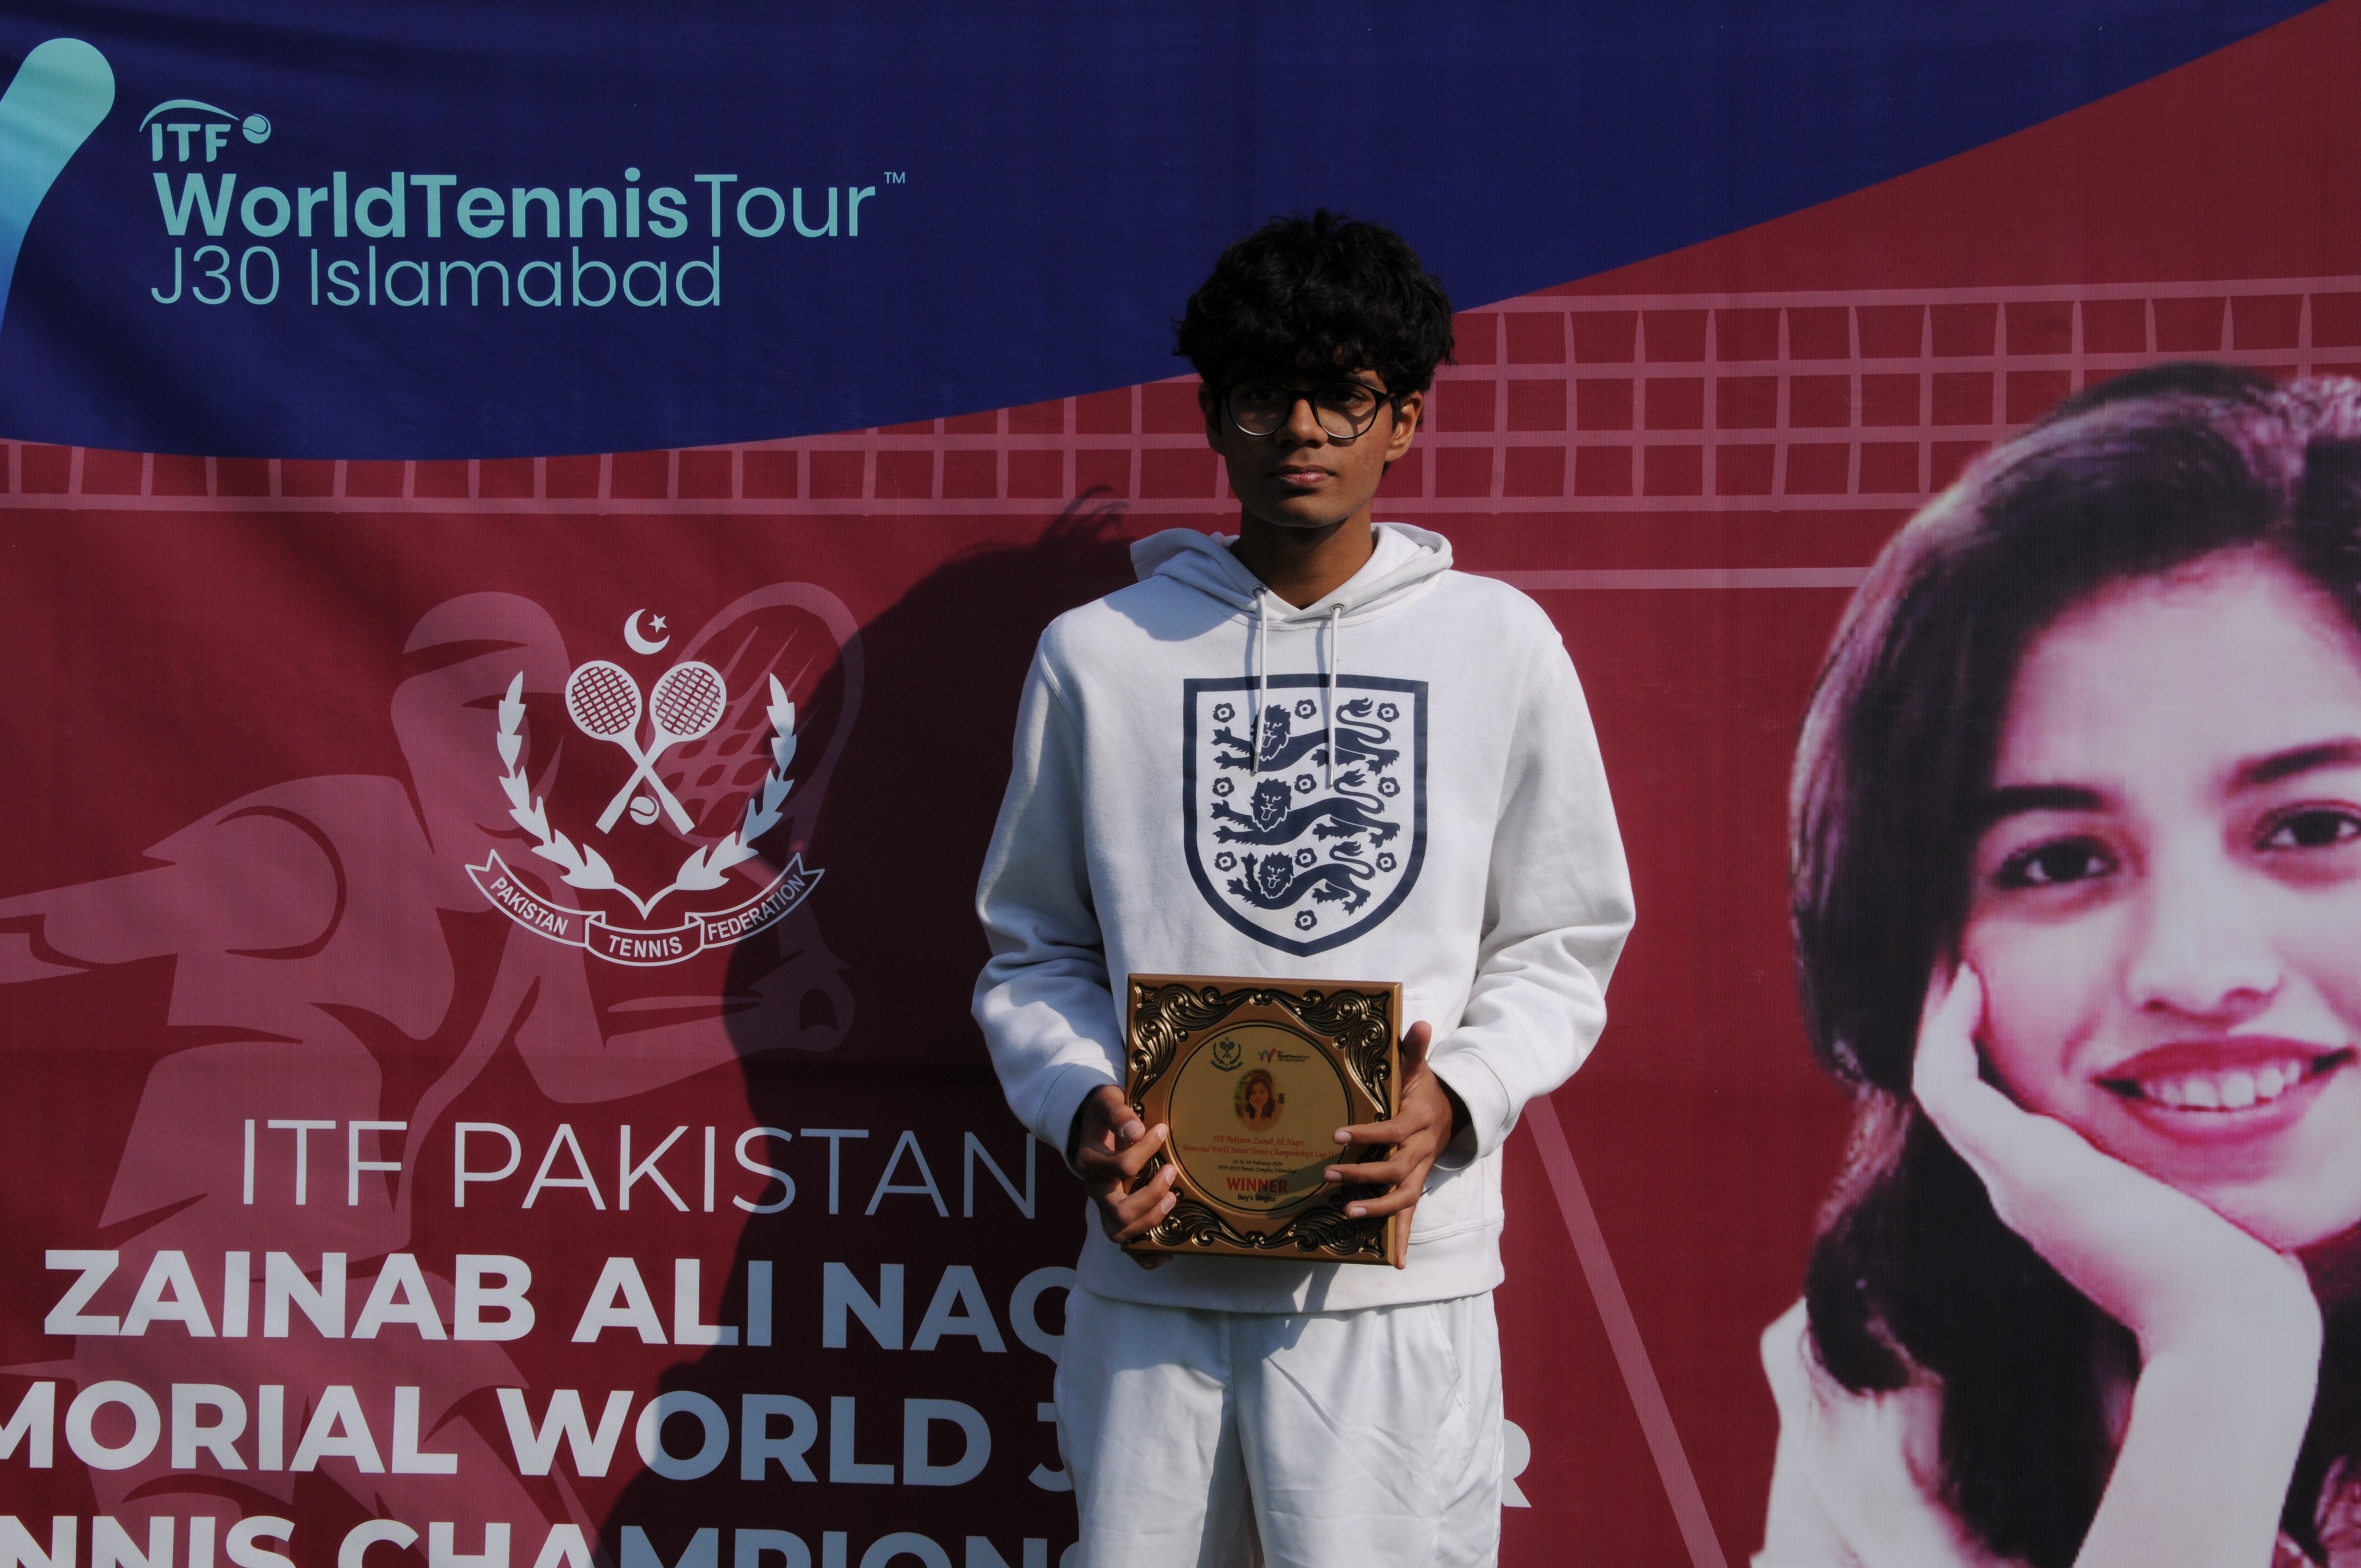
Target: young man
x=1311, y=752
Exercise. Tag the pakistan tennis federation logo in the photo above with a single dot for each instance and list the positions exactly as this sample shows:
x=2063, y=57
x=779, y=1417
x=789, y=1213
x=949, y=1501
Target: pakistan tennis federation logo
x=687, y=703
x=1294, y=848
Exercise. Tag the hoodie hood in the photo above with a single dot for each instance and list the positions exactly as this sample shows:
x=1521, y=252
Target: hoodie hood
x=1404, y=562
x=1405, y=558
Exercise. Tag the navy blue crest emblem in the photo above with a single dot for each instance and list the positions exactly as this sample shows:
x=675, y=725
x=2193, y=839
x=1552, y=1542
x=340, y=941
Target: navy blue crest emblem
x=1298, y=849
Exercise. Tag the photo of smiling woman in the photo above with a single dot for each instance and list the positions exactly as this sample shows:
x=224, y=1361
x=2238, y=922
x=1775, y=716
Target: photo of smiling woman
x=2076, y=902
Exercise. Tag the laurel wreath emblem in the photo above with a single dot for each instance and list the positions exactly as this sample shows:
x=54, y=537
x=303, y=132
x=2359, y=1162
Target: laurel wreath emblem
x=587, y=869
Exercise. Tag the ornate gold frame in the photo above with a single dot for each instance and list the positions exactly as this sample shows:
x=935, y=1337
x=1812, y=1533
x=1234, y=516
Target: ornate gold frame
x=1357, y=1025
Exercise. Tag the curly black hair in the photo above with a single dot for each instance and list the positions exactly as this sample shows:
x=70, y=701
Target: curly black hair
x=1318, y=294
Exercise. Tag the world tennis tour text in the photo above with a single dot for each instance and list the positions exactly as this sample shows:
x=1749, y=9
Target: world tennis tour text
x=376, y=245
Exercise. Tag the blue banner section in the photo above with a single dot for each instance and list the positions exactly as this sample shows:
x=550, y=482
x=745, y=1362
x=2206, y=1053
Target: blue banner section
x=469, y=230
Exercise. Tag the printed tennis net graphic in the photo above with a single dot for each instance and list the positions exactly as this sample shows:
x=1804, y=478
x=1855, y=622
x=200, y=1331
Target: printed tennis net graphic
x=1559, y=403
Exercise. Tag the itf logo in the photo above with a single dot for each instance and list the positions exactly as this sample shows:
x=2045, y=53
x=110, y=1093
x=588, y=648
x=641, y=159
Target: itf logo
x=60, y=93
x=211, y=133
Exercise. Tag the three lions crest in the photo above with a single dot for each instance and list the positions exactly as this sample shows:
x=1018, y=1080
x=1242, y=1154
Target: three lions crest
x=1297, y=850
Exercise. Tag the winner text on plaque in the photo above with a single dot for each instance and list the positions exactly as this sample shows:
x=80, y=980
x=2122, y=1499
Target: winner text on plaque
x=1254, y=1077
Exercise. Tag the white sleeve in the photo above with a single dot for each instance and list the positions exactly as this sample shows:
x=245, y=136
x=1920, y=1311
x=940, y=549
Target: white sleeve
x=1849, y=1488
x=1557, y=907
x=1796, y=1530
x=1043, y=1000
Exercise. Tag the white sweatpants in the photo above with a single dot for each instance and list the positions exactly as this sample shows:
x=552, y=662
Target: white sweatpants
x=1316, y=1440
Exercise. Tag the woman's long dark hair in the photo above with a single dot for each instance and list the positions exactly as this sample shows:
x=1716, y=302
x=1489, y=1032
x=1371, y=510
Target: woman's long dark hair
x=1913, y=1276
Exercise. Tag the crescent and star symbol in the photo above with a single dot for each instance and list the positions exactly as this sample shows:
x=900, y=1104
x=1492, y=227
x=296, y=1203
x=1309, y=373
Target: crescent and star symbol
x=640, y=644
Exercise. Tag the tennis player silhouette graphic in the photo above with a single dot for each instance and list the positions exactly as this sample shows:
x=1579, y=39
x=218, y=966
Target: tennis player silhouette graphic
x=327, y=937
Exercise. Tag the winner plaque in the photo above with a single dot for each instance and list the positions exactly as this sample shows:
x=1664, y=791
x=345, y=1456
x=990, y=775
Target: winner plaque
x=1254, y=1077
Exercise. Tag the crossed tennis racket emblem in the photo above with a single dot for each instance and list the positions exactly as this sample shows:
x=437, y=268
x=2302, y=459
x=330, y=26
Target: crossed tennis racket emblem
x=686, y=703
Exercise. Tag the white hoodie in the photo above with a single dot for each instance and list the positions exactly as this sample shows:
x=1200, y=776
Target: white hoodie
x=1175, y=808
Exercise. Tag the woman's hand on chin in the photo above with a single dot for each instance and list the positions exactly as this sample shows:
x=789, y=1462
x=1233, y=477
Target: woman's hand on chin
x=2228, y=1328
x=2155, y=1259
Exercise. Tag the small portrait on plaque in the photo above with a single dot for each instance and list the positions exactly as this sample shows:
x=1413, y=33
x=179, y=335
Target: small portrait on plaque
x=1259, y=1101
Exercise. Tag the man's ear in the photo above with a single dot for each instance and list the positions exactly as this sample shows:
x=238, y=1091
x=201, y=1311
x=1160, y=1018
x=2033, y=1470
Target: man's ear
x=1407, y=414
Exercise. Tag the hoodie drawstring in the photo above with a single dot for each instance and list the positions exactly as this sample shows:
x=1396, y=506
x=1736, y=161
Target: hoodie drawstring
x=1335, y=679
x=1335, y=627
x=1262, y=661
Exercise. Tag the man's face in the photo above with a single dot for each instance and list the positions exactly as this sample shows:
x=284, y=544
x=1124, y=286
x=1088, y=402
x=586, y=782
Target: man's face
x=1300, y=475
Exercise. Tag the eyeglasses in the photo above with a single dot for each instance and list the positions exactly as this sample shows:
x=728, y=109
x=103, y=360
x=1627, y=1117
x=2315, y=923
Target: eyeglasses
x=1344, y=409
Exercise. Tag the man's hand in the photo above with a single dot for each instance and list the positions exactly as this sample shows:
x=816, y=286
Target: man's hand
x=1426, y=1119
x=1111, y=1148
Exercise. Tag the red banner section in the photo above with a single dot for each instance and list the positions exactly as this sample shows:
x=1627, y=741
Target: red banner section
x=501, y=930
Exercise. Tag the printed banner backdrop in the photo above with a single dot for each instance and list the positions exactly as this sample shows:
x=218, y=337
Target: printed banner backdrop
x=446, y=1128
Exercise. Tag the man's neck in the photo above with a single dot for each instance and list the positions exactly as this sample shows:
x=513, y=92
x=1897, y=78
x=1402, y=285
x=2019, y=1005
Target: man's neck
x=1305, y=566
